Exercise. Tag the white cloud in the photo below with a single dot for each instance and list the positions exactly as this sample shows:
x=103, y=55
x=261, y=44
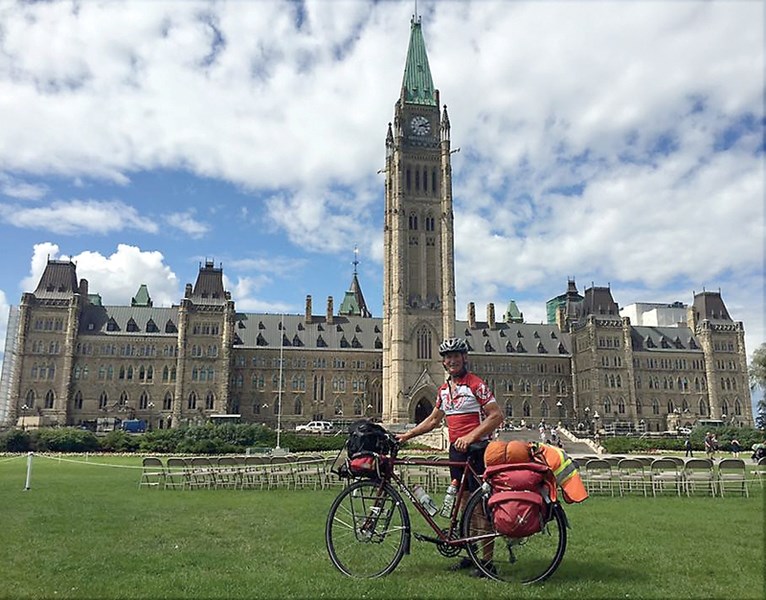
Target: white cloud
x=78, y=216
x=14, y=188
x=186, y=223
x=117, y=277
x=244, y=291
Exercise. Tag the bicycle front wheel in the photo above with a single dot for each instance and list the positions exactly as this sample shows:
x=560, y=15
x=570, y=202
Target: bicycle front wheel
x=367, y=529
x=517, y=560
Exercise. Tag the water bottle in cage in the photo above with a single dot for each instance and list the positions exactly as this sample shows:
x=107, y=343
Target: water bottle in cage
x=425, y=500
x=449, y=498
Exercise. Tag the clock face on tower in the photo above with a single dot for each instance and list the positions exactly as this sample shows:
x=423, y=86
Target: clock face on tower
x=420, y=125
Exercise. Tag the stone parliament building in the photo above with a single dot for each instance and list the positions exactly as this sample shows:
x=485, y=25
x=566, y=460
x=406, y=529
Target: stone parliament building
x=70, y=360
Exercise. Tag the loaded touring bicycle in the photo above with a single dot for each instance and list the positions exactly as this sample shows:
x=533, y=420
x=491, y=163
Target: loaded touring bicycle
x=515, y=535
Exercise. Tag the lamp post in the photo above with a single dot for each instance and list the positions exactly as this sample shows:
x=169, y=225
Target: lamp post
x=560, y=406
x=587, y=418
x=24, y=409
x=596, y=417
x=150, y=406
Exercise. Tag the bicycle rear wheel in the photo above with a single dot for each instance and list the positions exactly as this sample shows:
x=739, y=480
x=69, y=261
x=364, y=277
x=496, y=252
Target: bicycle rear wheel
x=517, y=560
x=367, y=528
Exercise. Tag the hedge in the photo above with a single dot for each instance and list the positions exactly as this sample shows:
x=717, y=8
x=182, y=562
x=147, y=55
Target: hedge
x=204, y=439
x=624, y=445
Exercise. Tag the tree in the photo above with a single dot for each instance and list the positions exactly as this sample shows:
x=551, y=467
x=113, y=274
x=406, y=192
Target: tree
x=758, y=380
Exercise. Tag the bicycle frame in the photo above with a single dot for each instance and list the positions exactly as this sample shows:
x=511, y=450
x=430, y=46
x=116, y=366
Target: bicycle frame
x=451, y=535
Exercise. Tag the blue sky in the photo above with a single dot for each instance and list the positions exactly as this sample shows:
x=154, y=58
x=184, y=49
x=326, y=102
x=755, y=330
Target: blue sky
x=619, y=143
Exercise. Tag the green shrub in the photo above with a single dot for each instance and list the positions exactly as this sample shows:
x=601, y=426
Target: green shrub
x=15, y=440
x=119, y=441
x=65, y=439
x=746, y=436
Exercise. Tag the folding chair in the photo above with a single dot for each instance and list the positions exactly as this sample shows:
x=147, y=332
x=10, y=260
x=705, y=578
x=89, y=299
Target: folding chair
x=330, y=479
x=280, y=472
x=598, y=476
x=308, y=471
x=152, y=473
x=416, y=474
x=177, y=474
x=759, y=471
x=631, y=476
x=440, y=476
x=254, y=473
x=202, y=473
x=227, y=473
x=664, y=475
x=698, y=474
x=732, y=476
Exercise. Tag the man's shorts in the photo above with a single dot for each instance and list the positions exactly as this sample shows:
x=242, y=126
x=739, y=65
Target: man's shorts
x=477, y=462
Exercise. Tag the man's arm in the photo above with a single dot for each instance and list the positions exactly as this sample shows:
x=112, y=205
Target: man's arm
x=487, y=426
x=426, y=425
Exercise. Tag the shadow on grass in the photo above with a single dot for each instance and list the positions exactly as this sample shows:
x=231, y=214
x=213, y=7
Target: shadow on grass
x=581, y=572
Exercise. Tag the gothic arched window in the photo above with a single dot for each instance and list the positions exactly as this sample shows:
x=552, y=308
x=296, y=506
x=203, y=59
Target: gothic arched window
x=424, y=343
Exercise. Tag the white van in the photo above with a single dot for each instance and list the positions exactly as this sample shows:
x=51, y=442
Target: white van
x=315, y=427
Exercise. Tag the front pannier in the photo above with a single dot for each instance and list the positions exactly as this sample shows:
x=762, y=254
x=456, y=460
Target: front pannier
x=365, y=452
x=366, y=436
x=366, y=464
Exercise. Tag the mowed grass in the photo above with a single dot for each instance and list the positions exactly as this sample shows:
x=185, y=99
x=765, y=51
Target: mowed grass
x=85, y=530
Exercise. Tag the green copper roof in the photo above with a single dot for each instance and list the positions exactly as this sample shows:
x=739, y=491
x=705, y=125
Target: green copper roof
x=353, y=302
x=513, y=314
x=142, y=297
x=417, y=86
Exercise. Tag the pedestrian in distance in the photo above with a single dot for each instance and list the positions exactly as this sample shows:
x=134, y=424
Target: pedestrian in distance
x=688, y=448
x=736, y=448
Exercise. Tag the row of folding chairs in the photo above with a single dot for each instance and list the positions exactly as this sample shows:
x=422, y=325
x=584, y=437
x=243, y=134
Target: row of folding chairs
x=432, y=478
x=247, y=472
x=666, y=475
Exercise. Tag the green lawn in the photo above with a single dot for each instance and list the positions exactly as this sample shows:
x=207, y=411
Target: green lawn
x=87, y=531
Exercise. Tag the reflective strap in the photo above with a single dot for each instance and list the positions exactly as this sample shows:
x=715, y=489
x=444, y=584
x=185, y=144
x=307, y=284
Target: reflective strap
x=565, y=469
x=568, y=469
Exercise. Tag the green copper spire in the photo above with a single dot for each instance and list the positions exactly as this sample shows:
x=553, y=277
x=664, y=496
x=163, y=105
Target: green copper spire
x=417, y=86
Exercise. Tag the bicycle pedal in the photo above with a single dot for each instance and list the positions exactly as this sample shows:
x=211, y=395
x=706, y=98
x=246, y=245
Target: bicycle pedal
x=424, y=538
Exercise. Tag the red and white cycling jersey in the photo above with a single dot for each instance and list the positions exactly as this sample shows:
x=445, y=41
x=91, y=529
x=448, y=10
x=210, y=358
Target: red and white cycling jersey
x=463, y=403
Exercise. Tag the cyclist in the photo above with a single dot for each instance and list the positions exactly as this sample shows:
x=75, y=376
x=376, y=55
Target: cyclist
x=471, y=411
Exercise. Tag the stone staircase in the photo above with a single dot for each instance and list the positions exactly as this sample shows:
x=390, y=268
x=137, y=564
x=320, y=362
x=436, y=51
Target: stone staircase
x=572, y=445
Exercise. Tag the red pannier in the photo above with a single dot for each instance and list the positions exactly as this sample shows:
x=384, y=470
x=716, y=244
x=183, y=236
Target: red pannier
x=517, y=505
x=365, y=464
x=517, y=514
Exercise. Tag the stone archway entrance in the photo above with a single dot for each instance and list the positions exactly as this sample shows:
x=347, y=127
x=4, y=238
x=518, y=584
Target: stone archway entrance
x=423, y=408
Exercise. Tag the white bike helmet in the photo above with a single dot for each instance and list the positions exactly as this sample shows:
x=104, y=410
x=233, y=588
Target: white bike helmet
x=453, y=345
